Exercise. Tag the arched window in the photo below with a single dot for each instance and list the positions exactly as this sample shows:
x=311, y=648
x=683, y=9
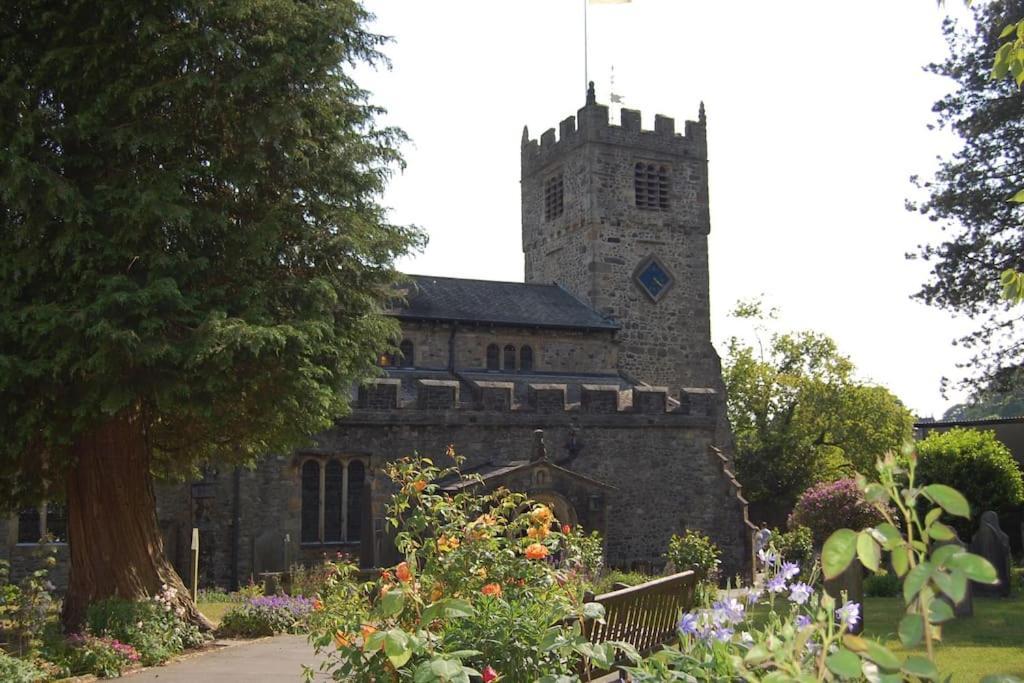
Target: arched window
x=310, y=502
x=492, y=357
x=510, y=357
x=408, y=354
x=526, y=358
x=333, y=475
x=337, y=515
x=356, y=477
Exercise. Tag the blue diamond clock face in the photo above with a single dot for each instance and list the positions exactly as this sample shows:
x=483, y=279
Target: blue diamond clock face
x=653, y=278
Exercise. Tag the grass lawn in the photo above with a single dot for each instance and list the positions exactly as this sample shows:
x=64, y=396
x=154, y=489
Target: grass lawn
x=214, y=611
x=990, y=642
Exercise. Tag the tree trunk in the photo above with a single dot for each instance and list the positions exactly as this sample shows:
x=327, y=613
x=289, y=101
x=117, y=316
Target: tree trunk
x=115, y=542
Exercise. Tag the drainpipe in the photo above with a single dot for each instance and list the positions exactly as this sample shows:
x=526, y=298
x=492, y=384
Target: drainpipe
x=451, y=348
x=236, y=533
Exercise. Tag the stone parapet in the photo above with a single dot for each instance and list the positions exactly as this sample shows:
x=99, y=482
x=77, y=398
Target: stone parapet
x=379, y=394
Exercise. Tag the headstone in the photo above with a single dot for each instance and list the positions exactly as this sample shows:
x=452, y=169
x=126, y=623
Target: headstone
x=990, y=542
x=850, y=583
x=964, y=608
x=268, y=553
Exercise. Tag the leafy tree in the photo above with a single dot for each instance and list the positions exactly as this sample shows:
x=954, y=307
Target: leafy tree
x=973, y=191
x=1002, y=396
x=799, y=416
x=975, y=463
x=193, y=254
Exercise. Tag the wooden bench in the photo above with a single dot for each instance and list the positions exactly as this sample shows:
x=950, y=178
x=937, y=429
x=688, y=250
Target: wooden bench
x=645, y=616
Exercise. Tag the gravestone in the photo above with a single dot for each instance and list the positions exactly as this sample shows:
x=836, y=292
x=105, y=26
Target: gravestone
x=990, y=542
x=964, y=608
x=850, y=582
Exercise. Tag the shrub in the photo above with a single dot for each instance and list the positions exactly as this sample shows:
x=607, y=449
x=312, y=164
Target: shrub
x=266, y=616
x=606, y=583
x=217, y=595
x=150, y=626
x=694, y=549
x=882, y=585
x=14, y=670
x=28, y=608
x=104, y=657
x=829, y=506
x=796, y=545
x=976, y=464
x=309, y=581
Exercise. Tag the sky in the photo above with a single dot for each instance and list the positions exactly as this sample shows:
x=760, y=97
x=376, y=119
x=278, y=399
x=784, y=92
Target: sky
x=818, y=114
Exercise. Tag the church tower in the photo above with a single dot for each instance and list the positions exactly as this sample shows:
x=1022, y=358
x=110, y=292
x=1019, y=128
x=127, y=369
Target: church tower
x=618, y=215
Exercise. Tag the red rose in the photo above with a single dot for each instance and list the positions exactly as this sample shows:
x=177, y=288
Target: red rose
x=489, y=674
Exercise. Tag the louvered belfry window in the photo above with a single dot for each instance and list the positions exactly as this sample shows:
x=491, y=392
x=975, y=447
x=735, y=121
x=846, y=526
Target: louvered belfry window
x=651, y=185
x=554, y=190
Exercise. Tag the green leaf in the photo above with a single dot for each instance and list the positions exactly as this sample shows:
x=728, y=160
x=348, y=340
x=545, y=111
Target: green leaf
x=940, y=612
x=392, y=603
x=942, y=554
x=976, y=568
x=941, y=532
x=891, y=534
x=900, y=561
x=919, y=666
x=448, y=608
x=868, y=552
x=949, y=499
x=882, y=656
x=1018, y=197
x=396, y=647
x=916, y=580
x=1008, y=31
x=593, y=610
x=844, y=663
x=932, y=516
x=952, y=583
x=911, y=629
x=838, y=552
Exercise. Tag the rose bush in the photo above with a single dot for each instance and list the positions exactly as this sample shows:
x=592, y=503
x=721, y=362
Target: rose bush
x=829, y=506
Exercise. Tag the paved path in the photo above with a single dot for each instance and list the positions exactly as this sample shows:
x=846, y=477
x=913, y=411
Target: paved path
x=269, y=660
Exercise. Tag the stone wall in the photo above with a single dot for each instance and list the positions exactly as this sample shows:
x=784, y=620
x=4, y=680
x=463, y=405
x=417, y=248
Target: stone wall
x=554, y=350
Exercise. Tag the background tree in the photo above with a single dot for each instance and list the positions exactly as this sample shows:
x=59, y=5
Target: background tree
x=1002, y=396
x=799, y=415
x=193, y=255
x=971, y=195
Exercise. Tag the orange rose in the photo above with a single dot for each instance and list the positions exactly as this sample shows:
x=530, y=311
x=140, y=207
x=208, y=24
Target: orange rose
x=538, y=533
x=419, y=485
x=317, y=605
x=445, y=544
x=342, y=640
x=402, y=572
x=492, y=589
x=535, y=551
x=566, y=529
x=541, y=515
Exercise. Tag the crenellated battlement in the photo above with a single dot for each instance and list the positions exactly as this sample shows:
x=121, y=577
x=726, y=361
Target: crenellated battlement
x=541, y=398
x=592, y=124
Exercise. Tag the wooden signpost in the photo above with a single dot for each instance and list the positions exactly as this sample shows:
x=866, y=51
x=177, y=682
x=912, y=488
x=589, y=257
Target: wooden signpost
x=195, y=563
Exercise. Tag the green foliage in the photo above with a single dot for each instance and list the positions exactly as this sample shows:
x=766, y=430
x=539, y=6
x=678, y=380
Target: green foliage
x=103, y=657
x=14, y=670
x=190, y=225
x=489, y=580
x=975, y=463
x=1002, y=396
x=882, y=585
x=606, y=583
x=27, y=608
x=694, y=549
x=796, y=545
x=149, y=626
x=266, y=616
x=800, y=417
x=975, y=192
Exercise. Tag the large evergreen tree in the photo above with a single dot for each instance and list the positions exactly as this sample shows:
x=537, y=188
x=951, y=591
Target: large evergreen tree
x=192, y=253
x=969, y=195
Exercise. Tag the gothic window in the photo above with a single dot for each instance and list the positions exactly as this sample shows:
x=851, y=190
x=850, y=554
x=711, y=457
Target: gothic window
x=408, y=354
x=526, y=358
x=650, y=184
x=510, y=357
x=48, y=521
x=554, y=191
x=332, y=500
x=492, y=357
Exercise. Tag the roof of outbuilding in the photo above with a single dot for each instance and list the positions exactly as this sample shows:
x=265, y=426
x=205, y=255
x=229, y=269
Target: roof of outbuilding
x=515, y=304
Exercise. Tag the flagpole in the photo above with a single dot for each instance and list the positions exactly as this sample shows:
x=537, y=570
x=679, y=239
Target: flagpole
x=586, y=66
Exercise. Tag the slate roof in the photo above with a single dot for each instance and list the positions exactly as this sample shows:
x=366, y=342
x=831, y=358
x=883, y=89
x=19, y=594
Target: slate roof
x=513, y=304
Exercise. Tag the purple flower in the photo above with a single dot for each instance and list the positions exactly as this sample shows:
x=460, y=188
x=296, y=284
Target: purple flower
x=688, y=624
x=753, y=595
x=849, y=614
x=776, y=584
x=730, y=610
x=802, y=621
x=766, y=556
x=722, y=634
x=789, y=570
x=800, y=592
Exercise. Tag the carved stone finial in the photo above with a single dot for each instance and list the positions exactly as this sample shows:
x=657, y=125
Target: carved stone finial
x=702, y=115
x=540, y=451
x=526, y=135
x=591, y=97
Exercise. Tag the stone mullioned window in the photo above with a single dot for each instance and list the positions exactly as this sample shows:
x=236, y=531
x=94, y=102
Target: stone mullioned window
x=650, y=184
x=332, y=499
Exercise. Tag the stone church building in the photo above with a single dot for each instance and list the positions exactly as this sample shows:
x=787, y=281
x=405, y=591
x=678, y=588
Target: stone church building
x=606, y=348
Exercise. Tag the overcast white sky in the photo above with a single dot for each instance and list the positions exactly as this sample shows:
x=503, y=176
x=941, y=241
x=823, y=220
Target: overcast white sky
x=817, y=116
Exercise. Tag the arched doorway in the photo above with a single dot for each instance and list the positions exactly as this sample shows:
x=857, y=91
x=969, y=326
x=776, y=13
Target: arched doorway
x=564, y=511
